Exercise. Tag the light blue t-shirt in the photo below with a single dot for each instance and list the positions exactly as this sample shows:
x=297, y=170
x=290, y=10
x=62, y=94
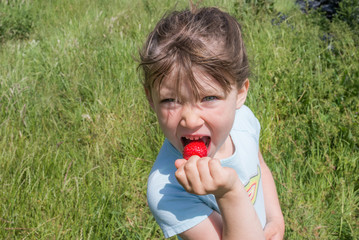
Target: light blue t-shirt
x=176, y=210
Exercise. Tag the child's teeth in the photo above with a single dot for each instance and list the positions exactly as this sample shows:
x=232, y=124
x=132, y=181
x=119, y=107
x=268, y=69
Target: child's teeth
x=193, y=138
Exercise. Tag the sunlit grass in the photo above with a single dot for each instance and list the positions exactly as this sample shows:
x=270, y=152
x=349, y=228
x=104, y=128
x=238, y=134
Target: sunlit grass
x=77, y=138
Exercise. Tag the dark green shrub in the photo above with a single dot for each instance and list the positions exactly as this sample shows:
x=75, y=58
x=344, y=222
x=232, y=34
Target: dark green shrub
x=349, y=13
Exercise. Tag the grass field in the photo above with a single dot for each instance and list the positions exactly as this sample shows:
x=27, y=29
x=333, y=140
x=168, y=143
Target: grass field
x=77, y=138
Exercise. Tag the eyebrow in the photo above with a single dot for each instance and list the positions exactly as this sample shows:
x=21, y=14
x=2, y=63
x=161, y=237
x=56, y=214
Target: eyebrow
x=165, y=92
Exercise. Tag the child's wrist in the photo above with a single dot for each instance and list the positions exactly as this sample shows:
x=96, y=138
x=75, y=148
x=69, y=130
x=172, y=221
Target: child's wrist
x=234, y=193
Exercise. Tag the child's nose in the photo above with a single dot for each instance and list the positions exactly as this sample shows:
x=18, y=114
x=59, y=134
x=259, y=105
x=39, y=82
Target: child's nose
x=191, y=117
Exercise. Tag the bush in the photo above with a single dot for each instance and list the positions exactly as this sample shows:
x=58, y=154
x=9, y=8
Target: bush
x=345, y=10
x=349, y=13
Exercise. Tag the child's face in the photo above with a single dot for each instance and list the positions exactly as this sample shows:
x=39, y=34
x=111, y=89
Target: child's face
x=182, y=118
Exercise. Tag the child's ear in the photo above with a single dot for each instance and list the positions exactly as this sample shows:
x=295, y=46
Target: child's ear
x=149, y=97
x=242, y=94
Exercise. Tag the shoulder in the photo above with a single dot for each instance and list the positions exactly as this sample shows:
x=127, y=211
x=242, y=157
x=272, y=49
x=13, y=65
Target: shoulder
x=245, y=135
x=246, y=121
x=163, y=169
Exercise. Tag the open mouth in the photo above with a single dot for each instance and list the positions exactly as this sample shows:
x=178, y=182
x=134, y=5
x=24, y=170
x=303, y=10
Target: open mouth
x=187, y=140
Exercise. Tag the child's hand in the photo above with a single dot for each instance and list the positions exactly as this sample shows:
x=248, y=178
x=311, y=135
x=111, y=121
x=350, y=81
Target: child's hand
x=203, y=176
x=206, y=176
x=274, y=230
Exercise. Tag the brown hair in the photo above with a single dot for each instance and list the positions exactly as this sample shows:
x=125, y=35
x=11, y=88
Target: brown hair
x=207, y=38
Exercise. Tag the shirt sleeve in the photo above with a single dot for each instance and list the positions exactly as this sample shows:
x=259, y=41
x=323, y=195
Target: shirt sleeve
x=246, y=121
x=174, y=209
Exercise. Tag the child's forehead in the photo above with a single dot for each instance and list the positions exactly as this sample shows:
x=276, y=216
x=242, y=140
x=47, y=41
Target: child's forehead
x=201, y=83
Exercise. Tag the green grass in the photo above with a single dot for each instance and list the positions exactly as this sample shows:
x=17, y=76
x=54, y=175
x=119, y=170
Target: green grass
x=77, y=138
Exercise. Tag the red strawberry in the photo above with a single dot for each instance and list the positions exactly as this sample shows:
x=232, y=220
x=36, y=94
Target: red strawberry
x=196, y=147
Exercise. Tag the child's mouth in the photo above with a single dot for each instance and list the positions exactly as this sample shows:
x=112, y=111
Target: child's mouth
x=187, y=140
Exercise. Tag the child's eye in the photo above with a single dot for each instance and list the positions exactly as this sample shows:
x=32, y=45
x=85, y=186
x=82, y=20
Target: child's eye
x=169, y=103
x=209, y=98
x=168, y=100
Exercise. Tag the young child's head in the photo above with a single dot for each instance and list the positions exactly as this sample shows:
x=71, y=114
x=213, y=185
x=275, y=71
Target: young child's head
x=196, y=76
x=207, y=39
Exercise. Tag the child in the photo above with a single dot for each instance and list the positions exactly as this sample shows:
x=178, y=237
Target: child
x=196, y=80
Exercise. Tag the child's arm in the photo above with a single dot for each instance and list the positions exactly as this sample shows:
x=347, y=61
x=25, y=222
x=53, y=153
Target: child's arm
x=238, y=219
x=274, y=229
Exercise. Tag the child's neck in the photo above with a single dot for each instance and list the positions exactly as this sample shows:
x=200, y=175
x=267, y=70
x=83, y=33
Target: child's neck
x=226, y=150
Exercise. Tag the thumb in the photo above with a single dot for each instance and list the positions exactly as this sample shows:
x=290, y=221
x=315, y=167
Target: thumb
x=180, y=162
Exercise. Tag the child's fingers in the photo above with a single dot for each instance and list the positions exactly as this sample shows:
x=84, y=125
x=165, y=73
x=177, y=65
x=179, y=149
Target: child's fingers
x=193, y=178
x=187, y=174
x=204, y=173
x=223, y=177
x=182, y=178
x=180, y=162
x=215, y=168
